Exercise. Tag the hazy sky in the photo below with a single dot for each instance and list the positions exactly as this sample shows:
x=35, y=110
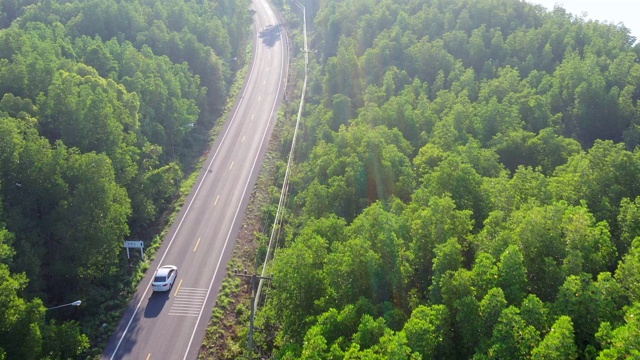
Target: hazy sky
x=624, y=11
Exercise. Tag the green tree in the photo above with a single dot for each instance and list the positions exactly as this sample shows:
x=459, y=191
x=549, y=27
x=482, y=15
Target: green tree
x=15, y=106
x=431, y=225
x=22, y=320
x=558, y=343
x=30, y=59
x=490, y=308
x=88, y=225
x=512, y=337
x=362, y=165
x=535, y=313
x=343, y=74
x=589, y=245
x=551, y=150
x=512, y=149
x=512, y=275
x=607, y=166
x=629, y=223
x=428, y=158
x=485, y=274
x=369, y=331
x=509, y=193
x=352, y=271
x=628, y=272
x=69, y=104
x=496, y=118
x=337, y=328
x=622, y=342
x=427, y=331
x=492, y=192
x=468, y=326
x=456, y=178
x=63, y=341
x=448, y=259
x=315, y=345
x=589, y=303
x=383, y=230
x=24, y=334
x=331, y=228
x=537, y=232
x=92, y=114
x=297, y=274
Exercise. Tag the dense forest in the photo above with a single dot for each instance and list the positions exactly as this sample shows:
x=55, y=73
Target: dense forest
x=466, y=186
x=103, y=105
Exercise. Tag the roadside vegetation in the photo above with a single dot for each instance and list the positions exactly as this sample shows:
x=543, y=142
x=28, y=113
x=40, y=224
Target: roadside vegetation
x=104, y=106
x=466, y=186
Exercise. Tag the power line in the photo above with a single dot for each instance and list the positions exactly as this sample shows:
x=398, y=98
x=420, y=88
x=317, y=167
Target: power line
x=285, y=185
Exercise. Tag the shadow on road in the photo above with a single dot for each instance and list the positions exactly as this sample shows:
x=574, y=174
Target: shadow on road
x=155, y=304
x=270, y=35
x=128, y=342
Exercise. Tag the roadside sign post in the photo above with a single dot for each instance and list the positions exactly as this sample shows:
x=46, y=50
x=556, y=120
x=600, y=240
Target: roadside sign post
x=132, y=244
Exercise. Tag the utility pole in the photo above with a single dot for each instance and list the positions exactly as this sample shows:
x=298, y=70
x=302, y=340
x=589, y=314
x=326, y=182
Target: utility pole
x=254, y=279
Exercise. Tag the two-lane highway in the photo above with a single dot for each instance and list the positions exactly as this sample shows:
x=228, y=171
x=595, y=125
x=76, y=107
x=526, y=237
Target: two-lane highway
x=172, y=325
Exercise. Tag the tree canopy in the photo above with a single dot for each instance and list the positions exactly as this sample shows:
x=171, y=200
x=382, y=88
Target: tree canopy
x=102, y=107
x=481, y=158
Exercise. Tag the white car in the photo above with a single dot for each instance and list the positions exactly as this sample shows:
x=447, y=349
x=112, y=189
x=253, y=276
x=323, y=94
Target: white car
x=164, y=278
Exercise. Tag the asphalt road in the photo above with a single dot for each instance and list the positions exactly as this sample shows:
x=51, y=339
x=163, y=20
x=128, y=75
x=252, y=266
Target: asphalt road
x=172, y=325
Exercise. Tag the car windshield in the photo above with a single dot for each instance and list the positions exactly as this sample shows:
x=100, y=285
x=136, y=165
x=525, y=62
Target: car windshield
x=160, y=278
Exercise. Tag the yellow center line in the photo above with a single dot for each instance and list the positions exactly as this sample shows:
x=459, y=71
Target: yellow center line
x=176, y=293
x=231, y=165
x=197, y=243
x=149, y=356
x=215, y=202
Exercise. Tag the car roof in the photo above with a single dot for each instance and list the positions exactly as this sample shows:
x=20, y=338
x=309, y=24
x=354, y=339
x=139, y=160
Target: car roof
x=165, y=270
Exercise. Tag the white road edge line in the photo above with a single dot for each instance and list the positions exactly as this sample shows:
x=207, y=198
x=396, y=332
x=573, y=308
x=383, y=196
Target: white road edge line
x=235, y=217
x=144, y=295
